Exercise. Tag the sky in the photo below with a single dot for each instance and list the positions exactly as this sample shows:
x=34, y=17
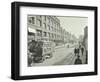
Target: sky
x=74, y=25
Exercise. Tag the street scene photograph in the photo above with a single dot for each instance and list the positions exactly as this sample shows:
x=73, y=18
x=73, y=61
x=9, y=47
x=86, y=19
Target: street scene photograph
x=56, y=40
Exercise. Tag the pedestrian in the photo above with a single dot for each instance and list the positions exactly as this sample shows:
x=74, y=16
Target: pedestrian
x=78, y=60
x=75, y=51
x=82, y=50
x=80, y=46
x=78, y=51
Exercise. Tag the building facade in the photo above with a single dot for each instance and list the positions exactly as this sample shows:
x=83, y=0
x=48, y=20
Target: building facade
x=85, y=40
x=47, y=28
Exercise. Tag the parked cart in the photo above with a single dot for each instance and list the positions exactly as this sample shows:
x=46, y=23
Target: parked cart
x=48, y=49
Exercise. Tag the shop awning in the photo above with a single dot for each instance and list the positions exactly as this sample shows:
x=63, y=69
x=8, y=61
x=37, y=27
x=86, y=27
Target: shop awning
x=31, y=30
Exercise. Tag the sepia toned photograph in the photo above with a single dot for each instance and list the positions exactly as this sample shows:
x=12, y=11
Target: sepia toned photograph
x=57, y=40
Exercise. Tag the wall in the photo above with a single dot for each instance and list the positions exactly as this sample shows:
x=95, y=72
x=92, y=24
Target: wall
x=5, y=42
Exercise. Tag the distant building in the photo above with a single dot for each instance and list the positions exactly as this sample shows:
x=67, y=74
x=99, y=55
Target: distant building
x=85, y=40
x=73, y=39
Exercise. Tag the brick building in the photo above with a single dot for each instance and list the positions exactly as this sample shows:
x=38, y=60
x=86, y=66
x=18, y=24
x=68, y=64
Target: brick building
x=85, y=40
x=46, y=28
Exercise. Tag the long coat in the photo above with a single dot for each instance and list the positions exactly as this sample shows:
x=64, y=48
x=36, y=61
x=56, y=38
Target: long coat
x=78, y=61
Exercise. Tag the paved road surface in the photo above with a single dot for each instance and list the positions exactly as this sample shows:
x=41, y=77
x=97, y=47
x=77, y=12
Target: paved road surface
x=62, y=56
x=58, y=55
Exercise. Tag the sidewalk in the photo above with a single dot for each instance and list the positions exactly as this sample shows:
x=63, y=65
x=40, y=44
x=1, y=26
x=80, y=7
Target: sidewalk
x=82, y=57
x=70, y=59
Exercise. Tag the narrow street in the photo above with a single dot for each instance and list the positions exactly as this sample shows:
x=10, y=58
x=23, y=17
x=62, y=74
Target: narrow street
x=70, y=59
x=66, y=57
x=61, y=55
x=52, y=43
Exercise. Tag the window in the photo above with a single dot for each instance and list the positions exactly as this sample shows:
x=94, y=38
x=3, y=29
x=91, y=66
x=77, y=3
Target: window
x=48, y=20
x=49, y=27
x=52, y=36
x=44, y=18
x=44, y=34
x=39, y=33
x=51, y=22
x=55, y=29
x=49, y=34
x=39, y=23
x=55, y=35
x=31, y=20
x=40, y=16
x=44, y=25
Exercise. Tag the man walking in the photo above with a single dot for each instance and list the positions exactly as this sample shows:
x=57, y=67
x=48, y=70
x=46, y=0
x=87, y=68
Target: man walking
x=75, y=51
x=78, y=51
x=78, y=60
x=82, y=50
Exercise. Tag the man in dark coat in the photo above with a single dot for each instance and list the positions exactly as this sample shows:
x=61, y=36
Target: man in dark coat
x=78, y=60
x=75, y=51
x=78, y=51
